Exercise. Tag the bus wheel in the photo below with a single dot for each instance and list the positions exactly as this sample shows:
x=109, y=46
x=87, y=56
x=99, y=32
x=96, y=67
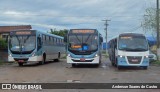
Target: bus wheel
x=145, y=67
x=59, y=55
x=100, y=60
x=97, y=65
x=20, y=63
x=43, y=61
x=118, y=67
x=73, y=65
x=116, y=63
x=113, y=64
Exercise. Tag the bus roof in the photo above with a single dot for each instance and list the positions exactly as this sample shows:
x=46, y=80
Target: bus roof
x=88, y=31
x=131, y=34
x=127, y=33
x=53, y=35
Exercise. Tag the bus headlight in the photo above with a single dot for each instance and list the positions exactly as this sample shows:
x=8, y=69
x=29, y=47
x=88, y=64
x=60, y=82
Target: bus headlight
x=10, y=55
x=96, y=55
x=69, y=55
x=121, y=56
x=146, y=56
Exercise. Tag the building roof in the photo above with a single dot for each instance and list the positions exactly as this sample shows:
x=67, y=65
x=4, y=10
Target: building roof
x=6, y=29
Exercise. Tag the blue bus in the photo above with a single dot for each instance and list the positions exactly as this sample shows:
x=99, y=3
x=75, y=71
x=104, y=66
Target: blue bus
x=129, y=49
x=83, y=46
x=30, y=46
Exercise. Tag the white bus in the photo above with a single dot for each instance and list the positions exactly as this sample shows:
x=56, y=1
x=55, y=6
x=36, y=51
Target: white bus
x=129, y=49
x=83, y=46
x=30, y=46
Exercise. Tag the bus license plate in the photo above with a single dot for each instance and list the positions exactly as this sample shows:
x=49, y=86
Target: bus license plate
x=134, y=60
x=20, y=60
x=82, y=59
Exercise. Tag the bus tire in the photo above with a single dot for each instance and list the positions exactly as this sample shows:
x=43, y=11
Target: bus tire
x=116, y=63
x=97, y=65
x=100, y=59
x=20, y=63
x=73, y=65
x=118, y=67
x=43, y=61
x=59, y=56
x=113, y=64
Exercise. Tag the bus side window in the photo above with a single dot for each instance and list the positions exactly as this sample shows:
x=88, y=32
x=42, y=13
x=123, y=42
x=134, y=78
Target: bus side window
x=58, y=41
x=47, y=42
x=55, y=41
x=52, y=40
x=61, y=41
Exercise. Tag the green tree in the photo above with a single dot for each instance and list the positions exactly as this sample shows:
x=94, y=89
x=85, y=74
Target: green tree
x=3, y=44
x=59, y=32
x=149, y=20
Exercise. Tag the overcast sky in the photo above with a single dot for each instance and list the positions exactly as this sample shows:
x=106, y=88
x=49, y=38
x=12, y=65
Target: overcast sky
x=125, y=15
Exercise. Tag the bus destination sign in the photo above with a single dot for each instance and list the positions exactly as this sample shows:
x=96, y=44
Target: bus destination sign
x=126, y=37
x=83, y=31
x=23, y=33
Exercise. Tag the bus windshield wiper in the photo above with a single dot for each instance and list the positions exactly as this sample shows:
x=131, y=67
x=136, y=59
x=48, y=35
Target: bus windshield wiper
x=133, y=49
x=78, y=38
x=88, y=38
x=127, y=49
x=140, y=49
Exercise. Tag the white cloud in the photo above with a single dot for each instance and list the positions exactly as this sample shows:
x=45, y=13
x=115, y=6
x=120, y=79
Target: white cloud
x=124, y=14
x=33, y=24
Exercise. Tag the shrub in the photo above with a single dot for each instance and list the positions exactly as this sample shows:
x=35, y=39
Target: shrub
x=3, y=44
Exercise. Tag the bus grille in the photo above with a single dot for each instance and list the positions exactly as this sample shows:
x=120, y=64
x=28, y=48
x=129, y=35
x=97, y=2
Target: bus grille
x=134, y=59
x=24, y=59
x=81, y=61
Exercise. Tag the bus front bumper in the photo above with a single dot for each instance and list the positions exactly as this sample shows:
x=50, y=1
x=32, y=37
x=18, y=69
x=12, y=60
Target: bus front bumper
x=123, y=62
x=71, y=60
x=29, y=59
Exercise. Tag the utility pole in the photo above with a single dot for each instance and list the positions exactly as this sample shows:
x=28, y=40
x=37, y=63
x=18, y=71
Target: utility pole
x=157, y=20
x=106, y=24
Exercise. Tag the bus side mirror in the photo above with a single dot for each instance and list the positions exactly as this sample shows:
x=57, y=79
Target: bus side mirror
x=65, y=38
x=150, y=56
x=101, y=39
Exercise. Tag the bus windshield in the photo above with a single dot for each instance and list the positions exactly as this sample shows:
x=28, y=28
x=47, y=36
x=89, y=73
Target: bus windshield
x=24, y=44
x=137, y=43
x=83, y=43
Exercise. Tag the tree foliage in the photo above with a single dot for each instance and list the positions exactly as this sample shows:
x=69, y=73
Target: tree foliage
x=59, y=32
x=149, y=20
x=3, y=44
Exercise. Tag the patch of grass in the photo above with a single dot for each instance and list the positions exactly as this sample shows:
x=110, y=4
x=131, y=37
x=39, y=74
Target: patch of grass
x=1, y=62
x=103, y=52
x=6, y=63
x=106, y=56
x=155, y=63
x=64, y=57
